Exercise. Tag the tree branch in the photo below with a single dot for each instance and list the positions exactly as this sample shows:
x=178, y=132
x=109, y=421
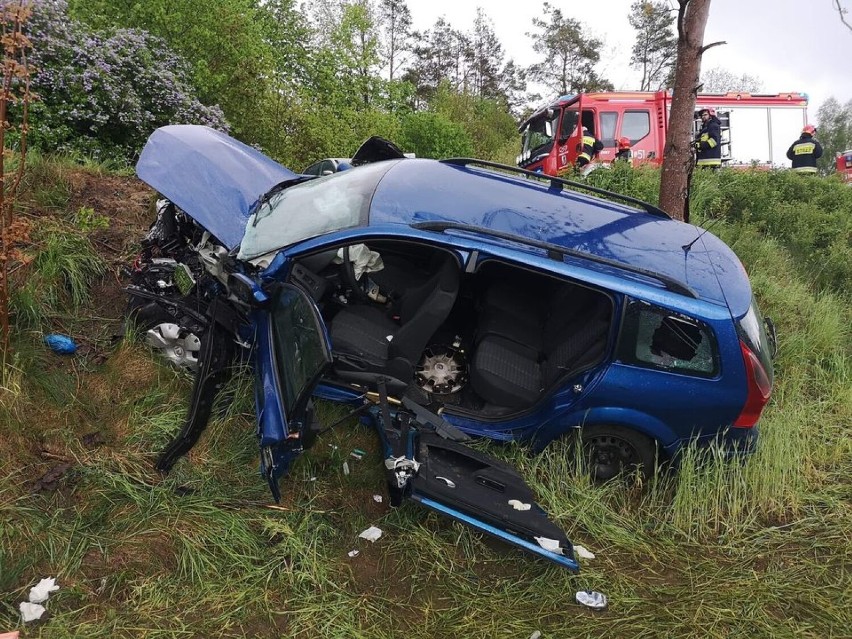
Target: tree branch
x=710, y=46
x=842, y=13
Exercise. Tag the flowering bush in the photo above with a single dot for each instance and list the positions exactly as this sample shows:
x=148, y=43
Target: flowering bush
x=103, y=93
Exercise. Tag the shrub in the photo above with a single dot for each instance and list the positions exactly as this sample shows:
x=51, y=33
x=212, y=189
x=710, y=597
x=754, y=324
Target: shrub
x=103, y=93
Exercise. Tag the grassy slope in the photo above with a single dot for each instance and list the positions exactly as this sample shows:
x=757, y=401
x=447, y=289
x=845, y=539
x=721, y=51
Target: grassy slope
x=761, y=549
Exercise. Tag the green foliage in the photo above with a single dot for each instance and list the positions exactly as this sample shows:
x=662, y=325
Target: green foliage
x=835, y=131
x=60, y=274
x=569, y=51
x=655, y=48
x=87, y=220
x=487, y=123
x=432, y=135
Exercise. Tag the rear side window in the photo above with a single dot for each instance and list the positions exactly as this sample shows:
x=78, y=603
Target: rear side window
x=658, y=338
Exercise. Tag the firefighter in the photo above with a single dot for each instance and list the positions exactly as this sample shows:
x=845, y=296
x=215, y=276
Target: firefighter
x=623, y=153
x=805, y=151
x=708, y=144
x=588, y=148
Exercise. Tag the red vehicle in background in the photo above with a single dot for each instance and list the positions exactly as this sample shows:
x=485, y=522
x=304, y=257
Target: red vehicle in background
x=756, y=129
x=844, y=165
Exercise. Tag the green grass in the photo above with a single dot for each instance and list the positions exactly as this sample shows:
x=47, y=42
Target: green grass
x=719, y=549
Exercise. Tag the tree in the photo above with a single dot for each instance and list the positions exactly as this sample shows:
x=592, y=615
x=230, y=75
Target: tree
x=656, y=43
x=719, y=80
x=834, y=131
x=842, y=12
x=570, y=54
x=395, y=22
x=356, y=51
x=440, y=56
x=678, y=160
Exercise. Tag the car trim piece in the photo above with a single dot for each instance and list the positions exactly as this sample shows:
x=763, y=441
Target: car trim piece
x=557, y=252
x=557, y=183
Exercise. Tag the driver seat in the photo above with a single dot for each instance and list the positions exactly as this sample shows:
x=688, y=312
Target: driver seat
x=367, y=343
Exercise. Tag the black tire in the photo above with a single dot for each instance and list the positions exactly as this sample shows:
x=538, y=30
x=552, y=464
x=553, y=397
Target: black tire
x=611, y=451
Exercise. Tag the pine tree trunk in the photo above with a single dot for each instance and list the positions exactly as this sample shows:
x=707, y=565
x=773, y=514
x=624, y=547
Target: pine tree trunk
x=678, y=159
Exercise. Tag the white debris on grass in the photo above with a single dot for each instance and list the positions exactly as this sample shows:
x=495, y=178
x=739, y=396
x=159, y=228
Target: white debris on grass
x=31, y=611
x=536, y=635
x=583, y=553
x=41, y=591
x=371, y=534
x=592, y=599
x=377, y=499
x=345, y=468
x=354, y=553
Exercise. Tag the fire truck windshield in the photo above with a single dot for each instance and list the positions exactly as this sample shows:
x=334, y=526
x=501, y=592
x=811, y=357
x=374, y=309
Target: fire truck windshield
x=538, y=136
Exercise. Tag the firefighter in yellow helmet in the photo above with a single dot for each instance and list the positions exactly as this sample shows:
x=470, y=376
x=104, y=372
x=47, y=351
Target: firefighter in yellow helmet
x=805, y=151
x=588, y=148
x=708, y=144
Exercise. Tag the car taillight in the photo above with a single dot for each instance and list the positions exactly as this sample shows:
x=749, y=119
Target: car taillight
x=759, y=389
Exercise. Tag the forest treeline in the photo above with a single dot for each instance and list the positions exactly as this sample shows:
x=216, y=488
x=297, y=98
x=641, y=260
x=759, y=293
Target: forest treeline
x=303, y=82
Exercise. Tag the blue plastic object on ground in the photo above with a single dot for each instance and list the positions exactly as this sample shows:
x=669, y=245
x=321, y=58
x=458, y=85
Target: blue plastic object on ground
x=61, y=344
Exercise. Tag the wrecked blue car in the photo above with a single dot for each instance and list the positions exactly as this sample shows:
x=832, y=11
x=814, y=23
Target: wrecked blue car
x=441, y=300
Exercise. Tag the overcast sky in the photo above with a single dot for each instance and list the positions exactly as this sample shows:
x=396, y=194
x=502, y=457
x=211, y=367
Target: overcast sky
x=791, y=45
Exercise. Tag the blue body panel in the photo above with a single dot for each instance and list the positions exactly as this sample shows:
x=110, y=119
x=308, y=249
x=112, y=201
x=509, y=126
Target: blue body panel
x=213, y=177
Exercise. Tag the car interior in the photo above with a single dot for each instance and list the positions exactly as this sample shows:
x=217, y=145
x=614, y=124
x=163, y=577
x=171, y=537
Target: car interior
x=492, y=341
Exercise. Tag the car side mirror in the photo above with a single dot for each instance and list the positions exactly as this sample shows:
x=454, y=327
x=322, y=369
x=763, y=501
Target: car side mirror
x=246, y=290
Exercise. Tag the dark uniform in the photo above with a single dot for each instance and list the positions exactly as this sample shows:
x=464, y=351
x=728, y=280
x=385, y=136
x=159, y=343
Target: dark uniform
x=708, y=145
x=804, y=153
x=588, y=149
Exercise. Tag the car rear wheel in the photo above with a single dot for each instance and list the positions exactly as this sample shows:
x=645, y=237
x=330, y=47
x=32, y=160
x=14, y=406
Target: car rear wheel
x=610, y=451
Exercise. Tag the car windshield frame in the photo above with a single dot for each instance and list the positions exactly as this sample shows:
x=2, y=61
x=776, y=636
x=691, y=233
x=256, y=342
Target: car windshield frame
x=308, y=209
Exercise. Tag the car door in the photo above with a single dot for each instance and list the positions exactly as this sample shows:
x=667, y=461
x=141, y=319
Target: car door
x=423, y=457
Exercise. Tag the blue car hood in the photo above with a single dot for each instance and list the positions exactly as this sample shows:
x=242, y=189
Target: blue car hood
x=212, y=177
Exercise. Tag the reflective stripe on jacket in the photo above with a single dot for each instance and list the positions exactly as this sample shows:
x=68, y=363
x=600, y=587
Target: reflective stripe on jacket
x=590, y=148
x=804, y=153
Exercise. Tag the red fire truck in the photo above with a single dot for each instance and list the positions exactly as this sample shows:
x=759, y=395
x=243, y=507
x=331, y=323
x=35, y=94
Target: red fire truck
x=756, y=129
x=844, y=165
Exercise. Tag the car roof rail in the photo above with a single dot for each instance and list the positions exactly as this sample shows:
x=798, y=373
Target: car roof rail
x=557, y=183
x=557, y=252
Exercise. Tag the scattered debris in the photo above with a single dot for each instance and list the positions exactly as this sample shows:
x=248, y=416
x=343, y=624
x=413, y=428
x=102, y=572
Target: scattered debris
x=358, y=454
x=354, y=553
x=50, y=479
x=41, y=591
x=333, y=446
x=10, y=635
x=583, y=553
x=371, y=534
x=60, y=344
x=312, y=479
x=31, y=611
x=519, y=505
x=536, y=635
x=549, y=544
x=377, y=499
x=345, y=468
x=592, y=599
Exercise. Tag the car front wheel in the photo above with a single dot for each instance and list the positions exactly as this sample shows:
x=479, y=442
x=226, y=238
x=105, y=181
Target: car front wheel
x=610, y=451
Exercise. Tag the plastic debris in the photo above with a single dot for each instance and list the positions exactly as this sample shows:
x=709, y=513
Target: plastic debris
x=377, y=499
x=354, y=553
x=371, y=534
x=10, y=635
x=358, y=454
x=583, y=553
x=519, y=505
x=592, y=599
x=536, y=635
x=41, y=591
x=31, y=611
x=345, y=468
x=60, y=344
x=549, y=544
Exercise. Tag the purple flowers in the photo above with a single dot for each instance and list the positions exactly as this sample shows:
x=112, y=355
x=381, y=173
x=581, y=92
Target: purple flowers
x=102, y=94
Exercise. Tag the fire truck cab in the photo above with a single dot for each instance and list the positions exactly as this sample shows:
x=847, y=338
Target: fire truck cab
x=844, y=165
x=756, y=129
